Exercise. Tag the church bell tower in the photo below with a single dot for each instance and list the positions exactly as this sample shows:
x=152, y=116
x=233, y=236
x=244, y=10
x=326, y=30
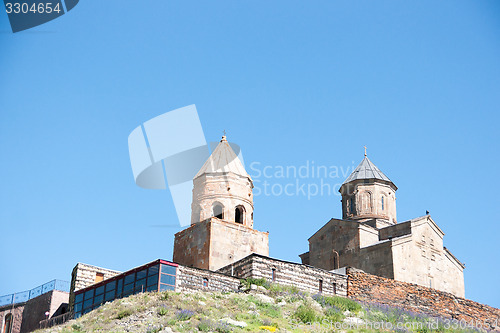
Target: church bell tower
x=221, y=230
x=369, y=195
x=223, y=189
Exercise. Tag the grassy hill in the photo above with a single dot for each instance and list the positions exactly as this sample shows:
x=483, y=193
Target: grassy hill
x=260, y=308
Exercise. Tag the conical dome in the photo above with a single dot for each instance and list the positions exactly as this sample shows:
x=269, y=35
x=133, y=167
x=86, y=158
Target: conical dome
x=367, y=170
x=223, y=160
x=369, y=194
x=223, y=189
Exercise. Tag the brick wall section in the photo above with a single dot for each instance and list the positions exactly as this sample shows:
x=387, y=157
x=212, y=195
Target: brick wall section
x=191, y=279
x=304, y=277
x=17, y=315
x=371, y=288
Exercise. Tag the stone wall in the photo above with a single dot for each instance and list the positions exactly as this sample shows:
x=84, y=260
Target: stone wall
x=192, y=246
x=34, y=310
x=420, y=258
x=84, y=275
x=17, y=316
x=192, y=279
x=370, y=288
x=27, y=315
x=231, y=242
x=305, y=278
x=215, y=243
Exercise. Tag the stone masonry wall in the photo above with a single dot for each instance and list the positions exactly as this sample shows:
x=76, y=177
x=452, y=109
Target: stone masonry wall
x=17, y=316
x=305, y=278
x=191, y=279
x=215, y=243
x=370, y=288
x=34, y=310
x=27, y=315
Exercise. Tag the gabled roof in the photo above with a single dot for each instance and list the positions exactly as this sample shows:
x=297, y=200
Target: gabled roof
x=223, y=160
x=367, y=170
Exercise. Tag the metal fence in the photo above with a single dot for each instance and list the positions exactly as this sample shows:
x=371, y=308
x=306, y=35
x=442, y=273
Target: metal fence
x=61, y=319
x=25, y=296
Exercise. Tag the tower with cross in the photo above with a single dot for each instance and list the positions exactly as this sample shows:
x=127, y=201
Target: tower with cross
x=221, y=230
x=369, y=194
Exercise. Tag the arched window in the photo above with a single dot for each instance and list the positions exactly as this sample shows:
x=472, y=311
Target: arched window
x=7, y=326
x=239, y=214
x=366, y=202
x=352, y=205
x=383, y=203
x=218, y=211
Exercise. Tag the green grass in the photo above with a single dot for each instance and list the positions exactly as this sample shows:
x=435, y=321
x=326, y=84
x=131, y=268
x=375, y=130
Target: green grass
x=203, y=312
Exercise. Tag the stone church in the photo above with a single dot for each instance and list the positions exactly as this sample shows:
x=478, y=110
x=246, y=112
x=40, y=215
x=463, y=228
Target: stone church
x=367, y=237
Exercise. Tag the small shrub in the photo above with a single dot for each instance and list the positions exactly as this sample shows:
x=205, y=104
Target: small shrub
x=246, y=283
x=386, y=313
x=334, y=315
x=76, y=327
x=341, y=303
x=124, y=313
x=164, y=296
x=223, y=328
x=267, y=322
x=162, y=310
x=305, y=314
x=183, y=315
x=206, y=325
x=279, y=289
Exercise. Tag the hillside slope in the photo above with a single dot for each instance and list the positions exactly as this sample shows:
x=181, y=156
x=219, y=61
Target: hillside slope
x=258, y=309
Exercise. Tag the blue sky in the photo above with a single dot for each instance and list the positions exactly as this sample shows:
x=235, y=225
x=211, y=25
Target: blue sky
x=292, y=82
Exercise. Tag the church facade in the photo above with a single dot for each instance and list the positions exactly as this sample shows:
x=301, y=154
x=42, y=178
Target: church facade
x=369, y=238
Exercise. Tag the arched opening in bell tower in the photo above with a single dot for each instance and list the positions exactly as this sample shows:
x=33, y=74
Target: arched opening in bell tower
x=239, y=214
x=218, y=210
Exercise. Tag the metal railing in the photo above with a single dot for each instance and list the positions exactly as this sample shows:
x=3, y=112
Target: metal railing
x=58, y=320
x=25, y=296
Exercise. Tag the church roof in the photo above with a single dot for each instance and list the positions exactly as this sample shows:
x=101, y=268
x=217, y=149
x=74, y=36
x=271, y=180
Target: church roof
x=367, y=170
x=223, y=160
